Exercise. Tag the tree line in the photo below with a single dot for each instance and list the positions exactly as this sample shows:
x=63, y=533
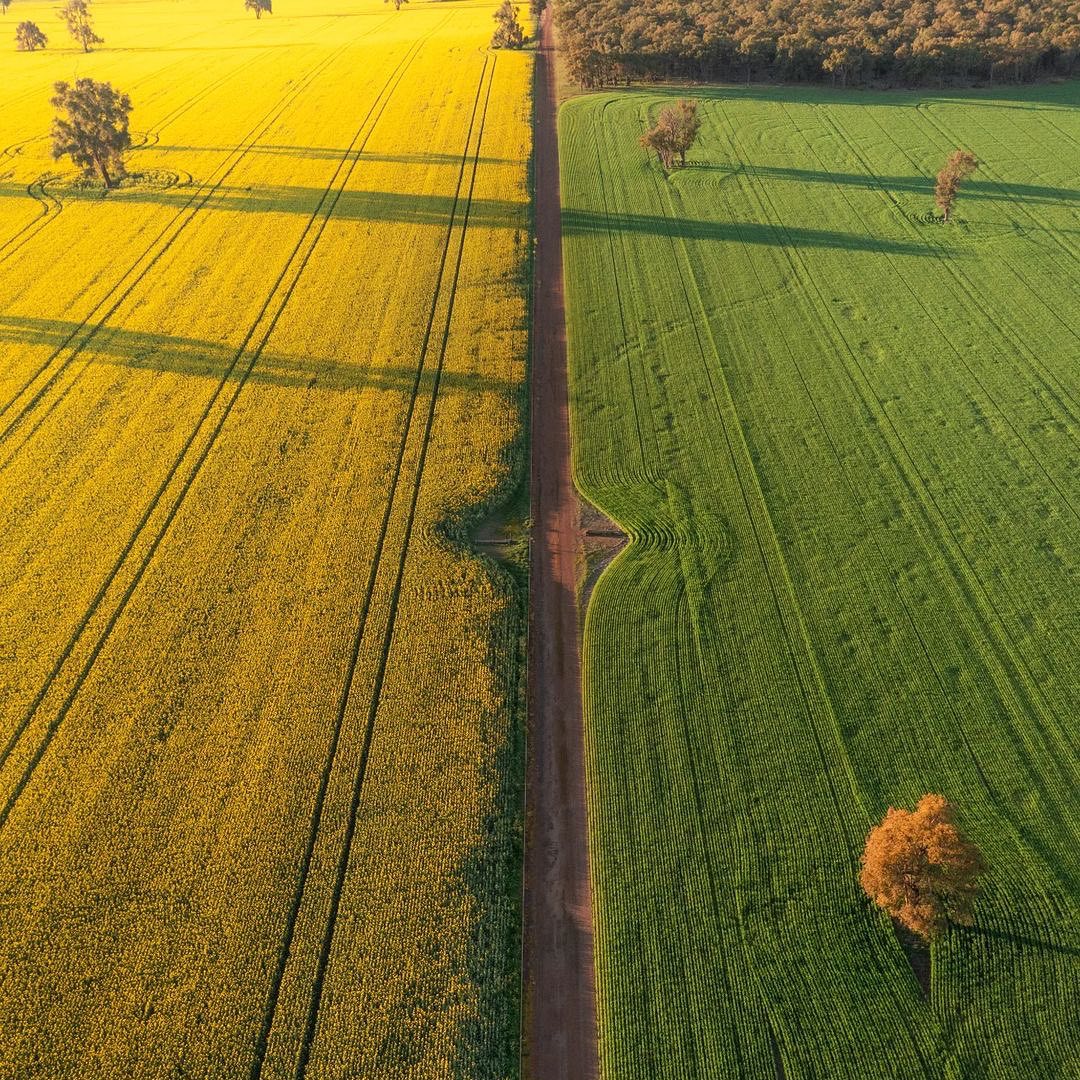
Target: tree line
x=906, y=42
x=75, y=14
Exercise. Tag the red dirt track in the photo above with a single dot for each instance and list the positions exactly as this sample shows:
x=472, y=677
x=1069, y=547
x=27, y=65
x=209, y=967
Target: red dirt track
x=560, y=1002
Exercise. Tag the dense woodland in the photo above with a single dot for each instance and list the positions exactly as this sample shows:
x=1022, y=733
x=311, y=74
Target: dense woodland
x=902, y=42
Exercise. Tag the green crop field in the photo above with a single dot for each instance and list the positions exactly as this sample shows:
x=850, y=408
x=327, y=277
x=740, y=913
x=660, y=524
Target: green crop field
x=845, y=442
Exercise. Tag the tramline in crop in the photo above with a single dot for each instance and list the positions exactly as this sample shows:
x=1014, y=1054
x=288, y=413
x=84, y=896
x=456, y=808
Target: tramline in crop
x=259, y=716
x=843, y=439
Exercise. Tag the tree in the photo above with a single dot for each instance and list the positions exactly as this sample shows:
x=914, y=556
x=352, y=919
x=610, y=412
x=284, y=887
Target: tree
x=920, y=869
x=844, y=59
x=29, y=37
x=658, y=139
x=259, y=6
x=76, y=13
x=397, y=3
x=684, y=124
x=757, y=45
x=4, y=5
x=587, y=67
x=93, y=127
x=508, y=32
x=537, y=8
x=958, y=168
x=675, y=131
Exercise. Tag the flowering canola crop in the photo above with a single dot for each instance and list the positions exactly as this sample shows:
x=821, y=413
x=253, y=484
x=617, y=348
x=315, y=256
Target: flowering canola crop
x=258, y=707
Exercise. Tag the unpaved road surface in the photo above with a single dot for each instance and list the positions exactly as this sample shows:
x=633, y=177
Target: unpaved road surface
x=560, y=999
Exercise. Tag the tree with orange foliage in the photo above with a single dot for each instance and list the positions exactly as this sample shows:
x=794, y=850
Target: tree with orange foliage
x=958, y=168
x=674, y=133
x=920, y=869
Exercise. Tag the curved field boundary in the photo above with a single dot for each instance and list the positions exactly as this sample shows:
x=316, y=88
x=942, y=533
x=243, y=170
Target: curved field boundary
x=855, y=574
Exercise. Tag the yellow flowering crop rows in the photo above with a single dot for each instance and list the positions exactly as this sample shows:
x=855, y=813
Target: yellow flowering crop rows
x=258, y=708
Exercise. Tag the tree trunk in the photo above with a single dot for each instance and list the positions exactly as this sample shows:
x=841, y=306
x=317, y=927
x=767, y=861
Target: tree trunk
x=104, y=172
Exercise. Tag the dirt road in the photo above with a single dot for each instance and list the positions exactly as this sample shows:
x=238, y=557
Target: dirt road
x=560, y=1002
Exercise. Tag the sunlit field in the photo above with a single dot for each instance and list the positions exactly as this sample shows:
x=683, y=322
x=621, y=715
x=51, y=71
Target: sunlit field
x=259, y=723
x=844, y=441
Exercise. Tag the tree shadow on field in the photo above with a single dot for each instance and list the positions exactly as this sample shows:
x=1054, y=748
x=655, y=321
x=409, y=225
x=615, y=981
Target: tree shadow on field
x=207, y=359
x=436, y=210
x=1035, y=97
x=746, y=232
x=332, y=153
x=387, y=206
x=915, y=185
x=1039, y=944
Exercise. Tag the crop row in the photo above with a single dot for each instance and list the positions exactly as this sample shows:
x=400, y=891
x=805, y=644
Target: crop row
x=850, y=478
x=260, y=792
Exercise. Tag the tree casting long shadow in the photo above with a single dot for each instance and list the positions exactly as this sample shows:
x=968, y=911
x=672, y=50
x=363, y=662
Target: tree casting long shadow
x=915, y=185
x=392, y=206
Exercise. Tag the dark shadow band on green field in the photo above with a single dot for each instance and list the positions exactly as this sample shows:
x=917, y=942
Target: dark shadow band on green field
x=1051, y=97
x=743, y=232
x=1039, y=944
x=913, y=185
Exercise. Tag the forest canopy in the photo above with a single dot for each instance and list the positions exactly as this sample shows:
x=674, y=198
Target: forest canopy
x=894, y=41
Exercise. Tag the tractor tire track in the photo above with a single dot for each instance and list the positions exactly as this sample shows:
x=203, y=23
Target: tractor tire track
x=268, y=319
x=157, y=73
x=1013, y=647
x=85, y=331
x=51, y=206
x=804, y=662
x=388, y=635
x=1059, y=393
x=285, y=952
x=1009, y=671
x=894, y=596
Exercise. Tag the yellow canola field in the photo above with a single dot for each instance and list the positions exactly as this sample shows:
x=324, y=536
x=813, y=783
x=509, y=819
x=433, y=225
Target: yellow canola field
x=259, y=717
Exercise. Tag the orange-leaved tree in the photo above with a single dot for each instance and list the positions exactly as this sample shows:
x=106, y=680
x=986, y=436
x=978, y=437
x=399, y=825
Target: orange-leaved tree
x=674, y=132
x=958, y=168
x=920, y=869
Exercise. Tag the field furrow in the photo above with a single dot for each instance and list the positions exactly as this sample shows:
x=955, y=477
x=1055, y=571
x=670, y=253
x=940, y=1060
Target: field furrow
x=854, y=583
x=265, y=454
